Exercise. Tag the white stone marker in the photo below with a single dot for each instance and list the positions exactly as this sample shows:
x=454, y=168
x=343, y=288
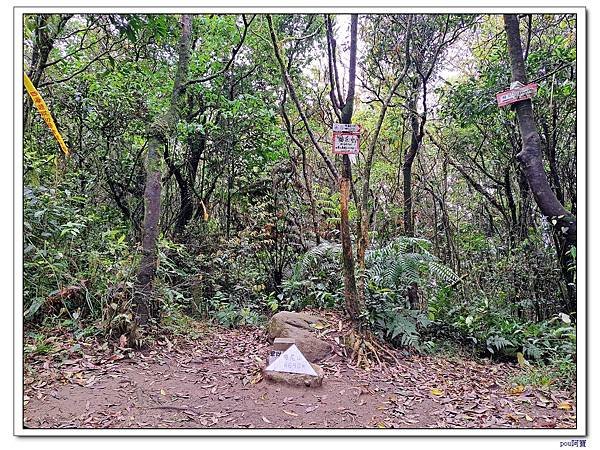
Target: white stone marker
x=292, y=361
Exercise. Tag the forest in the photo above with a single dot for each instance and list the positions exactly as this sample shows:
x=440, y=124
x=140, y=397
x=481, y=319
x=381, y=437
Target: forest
x=391, y=196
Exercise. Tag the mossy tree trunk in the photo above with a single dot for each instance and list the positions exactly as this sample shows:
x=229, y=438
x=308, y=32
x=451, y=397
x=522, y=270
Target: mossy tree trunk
x=159, y=133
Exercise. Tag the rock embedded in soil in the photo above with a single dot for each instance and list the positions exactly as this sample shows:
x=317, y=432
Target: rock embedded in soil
x=300, y=327
x=296, y=379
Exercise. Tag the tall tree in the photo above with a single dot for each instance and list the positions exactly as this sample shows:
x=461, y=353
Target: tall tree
x=159, y=132
x=564, y=223
x=345, y=110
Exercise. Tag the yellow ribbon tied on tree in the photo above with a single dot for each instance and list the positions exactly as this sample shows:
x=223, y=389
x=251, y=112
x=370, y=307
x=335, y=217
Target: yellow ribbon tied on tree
x=41, y=106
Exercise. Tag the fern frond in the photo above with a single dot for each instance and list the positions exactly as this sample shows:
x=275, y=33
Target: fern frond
x=442, y=272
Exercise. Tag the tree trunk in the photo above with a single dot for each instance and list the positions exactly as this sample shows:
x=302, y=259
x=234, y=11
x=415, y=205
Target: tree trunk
x=550, y=147
x=196, y=145
x=159, y=134
x=43, y=45
x=415, y=142
x=345, y=180
x=353, y=306
x=147, y=270
x=564, y=223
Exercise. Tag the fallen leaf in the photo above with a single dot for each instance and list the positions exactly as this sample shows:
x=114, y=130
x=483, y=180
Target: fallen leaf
x=479, y=410
x=518, y=389
x=437, y=392
x=564, y=406
x=381, y=425
x=257, y=378
x=162, y=392
x=265, y=419
x=528, y=418
x=290, y=413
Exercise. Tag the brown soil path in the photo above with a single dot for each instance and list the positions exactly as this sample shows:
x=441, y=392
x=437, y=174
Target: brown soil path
x=215, y=382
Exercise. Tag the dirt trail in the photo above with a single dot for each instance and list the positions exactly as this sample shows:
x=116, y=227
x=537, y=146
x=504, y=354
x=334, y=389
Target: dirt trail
x=215, y=382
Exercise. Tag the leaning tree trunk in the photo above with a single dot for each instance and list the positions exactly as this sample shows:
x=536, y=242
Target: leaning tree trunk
x=415, y=142
x=159, y=133
x=564, y=223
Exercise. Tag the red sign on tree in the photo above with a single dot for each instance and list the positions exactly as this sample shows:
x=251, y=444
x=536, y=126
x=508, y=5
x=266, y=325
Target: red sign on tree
x=346, y=139
x=517, y=94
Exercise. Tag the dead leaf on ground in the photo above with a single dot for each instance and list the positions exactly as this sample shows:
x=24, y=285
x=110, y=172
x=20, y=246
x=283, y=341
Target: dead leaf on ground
x=518, y=389
x=256, y=378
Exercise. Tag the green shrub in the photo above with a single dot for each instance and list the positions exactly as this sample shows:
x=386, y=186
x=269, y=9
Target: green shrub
x=391, y=270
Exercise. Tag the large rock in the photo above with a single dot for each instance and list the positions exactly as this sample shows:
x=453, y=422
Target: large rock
x=296, y=379
x=298, y=326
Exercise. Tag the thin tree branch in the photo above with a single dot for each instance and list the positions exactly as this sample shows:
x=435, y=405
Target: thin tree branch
x=234, y=53
x=292, y=91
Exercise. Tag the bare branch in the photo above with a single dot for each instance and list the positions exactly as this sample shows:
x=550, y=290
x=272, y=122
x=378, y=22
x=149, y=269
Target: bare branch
x=292, y=91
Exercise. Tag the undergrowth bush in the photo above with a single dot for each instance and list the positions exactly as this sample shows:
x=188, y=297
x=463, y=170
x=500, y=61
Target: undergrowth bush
x=72, y=254
x=228, y=286
x=489, y=328
x=391, y=270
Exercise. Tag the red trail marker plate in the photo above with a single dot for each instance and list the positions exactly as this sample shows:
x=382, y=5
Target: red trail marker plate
x=516, y=95
x=346, y=138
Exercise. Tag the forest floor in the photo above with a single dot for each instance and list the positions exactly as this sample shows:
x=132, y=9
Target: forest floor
x=211, y=378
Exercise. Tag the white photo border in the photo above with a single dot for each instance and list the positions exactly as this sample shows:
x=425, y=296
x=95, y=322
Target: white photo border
x=110, y=7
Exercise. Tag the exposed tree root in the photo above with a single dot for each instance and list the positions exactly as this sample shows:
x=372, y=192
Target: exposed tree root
x=367, y=350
